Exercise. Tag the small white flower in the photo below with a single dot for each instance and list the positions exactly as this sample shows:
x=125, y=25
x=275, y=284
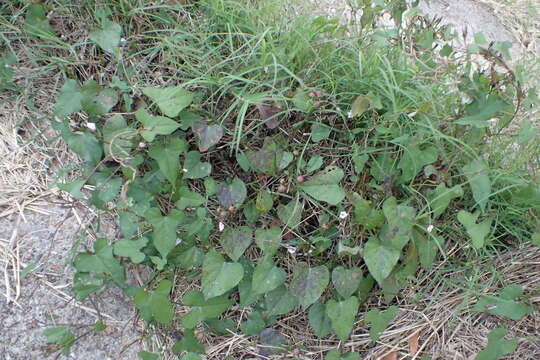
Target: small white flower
x=142, y=145
x=349, y=114
x=122, y=40
x=91, y=126
x=291, y=250
x=429, y=228
x=178, y=241
x=184, y=170
x=343, y=215
x=221, y=226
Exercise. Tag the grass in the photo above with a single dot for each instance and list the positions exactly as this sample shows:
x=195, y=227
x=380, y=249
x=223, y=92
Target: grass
x=240, y=57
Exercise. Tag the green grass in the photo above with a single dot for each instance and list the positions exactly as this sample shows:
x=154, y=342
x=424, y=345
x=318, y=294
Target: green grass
x=391, y=118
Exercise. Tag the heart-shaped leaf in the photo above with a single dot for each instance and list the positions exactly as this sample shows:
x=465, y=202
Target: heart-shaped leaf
x=236, y=241
x=477, y=172
x=308, y=283
x=280, y=301
x=131, y=249
x=324, y=186
x=155, y=125
x=107, y=37
x=189, y=199
x=319, y=320
x=346, y=281
x=314, y=163
x=164, y=236
x=380, y=259
x=202, y=309
x=208, y=135
x=69, y=100
x=505, y=304
x=167, y=157
x=291, y=213
x=380, y=320
x=219, y=276
x=170, y=100
x=264, y=201
x=268, y=239
x=320, y=132
x=100, y=262
x=267, y=276
x=342, y=315
x=155, y=305
x=231, y=192
x=267, y=111
x=194, y=168
x=97, y=100
x=497, y=346
x=477, y=232
x=414, y=158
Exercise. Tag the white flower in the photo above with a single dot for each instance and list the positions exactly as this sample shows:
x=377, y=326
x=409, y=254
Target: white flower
x=291, y=250
x=221, y=226
x=349, y=114
x=91, y=126
x=343, y=215
x=178, y=241
x=142, y=145
x=122, y=40
x=429, y=228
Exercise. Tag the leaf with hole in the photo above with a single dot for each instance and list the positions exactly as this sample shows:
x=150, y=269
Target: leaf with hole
x=342, y=315
x=308, y=283
x=236, y=241
x=497, y=346
x=319, y=320
x=202, y=309
x=477, y=232
x=155, y=125
x=168, y=157
x=324, y=186
x=231, y=192
x=155, y=305
x=107, y=37
x=268, y=240
x=193, y=167
x=219, y=276
x=380, y=320
x=170, y=100
x=131, y=249
x=505, y=304
x=346, y=281
x=207, y=135
x=267, y=276
x=477, y=172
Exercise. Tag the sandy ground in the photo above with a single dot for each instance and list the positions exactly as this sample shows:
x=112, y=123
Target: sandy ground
x=42, y=233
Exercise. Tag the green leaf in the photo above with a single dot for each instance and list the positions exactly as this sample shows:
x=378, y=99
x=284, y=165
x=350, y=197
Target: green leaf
x=397, y=231
x=73, y=188
x=505, y=304
x=247, y=296
x=101, y=261
x=535, y=239
x=441, y=197
x=145, y=355
x=117, y=137
x=342, y=315
x=155, y=125
x=131, y=249
x=364, y=103
x=319, y=320
x=106, y=190
x=280, y=301
x=86, y=145
x=314, y=163
x=254, y=324
x=291, y=214
x=380, y=320
x=36, y=22
x=97, y=100
x=219, y=276
x=56, y=334
x=302, y=101
x=482, y=110
x=414, y=158
x=367, y=216
x=236, y=241
x=346, y=281
x=210, y=186
x=380, y=259
x=324, y=186
x=208, y=135
x=243, y=161
x=170, y=100
x=320, y=132
x=272, y=342
x=223, y=327
x=107, y=37
x=191, y=356
x=167, y=157
x=155, y=305
x=359, y=159
x=497, y=346
x=268, y=240
x=194, y=168
x=527, y=132
x=165, y=227
x=231, y=193
x=128, y=223
x=189, y=343
x=477, y=172
x=336, y=355
x=477, y=232
x=189, y=199
x=264, y=202
x=308, y=283
x=267, y=276
x=202, y=309
x=69, y=100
